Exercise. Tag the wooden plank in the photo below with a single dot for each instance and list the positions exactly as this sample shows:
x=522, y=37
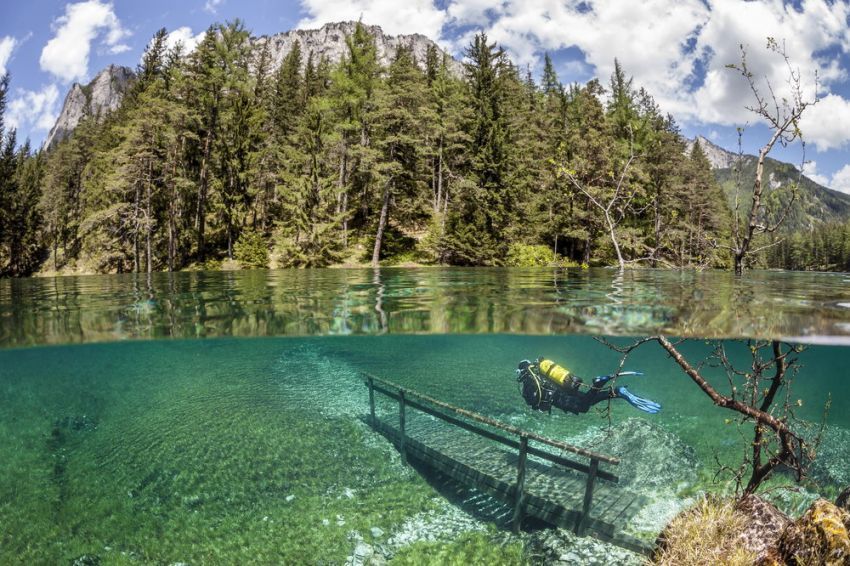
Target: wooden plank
x=549, y=493
x=520, y=482
x=494, y=423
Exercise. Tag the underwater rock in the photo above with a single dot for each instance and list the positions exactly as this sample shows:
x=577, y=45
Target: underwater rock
x=764, y=524
x=86, y=560
x=376, y=532
x=843, y=500
x=562, y=547
x=365, y=555
x=651, y=457
x=820, y=536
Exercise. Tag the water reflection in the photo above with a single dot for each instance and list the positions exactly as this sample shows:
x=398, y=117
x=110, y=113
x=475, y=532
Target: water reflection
x=423, y=300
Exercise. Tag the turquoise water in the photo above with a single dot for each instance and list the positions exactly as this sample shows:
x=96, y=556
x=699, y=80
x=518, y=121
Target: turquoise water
x=253, y=450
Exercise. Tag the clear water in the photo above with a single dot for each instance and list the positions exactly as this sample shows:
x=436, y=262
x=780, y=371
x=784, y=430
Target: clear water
x=253, y=450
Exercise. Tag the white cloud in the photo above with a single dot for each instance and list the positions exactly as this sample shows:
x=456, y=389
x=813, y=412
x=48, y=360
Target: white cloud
x=212, y=6
x=7, y=45
x=663, y=44
x=183, y=35
x=66, y=55
x=810, y=170
x=841, y=180
x=827, y=123
x=33, y=109
x=394, y=17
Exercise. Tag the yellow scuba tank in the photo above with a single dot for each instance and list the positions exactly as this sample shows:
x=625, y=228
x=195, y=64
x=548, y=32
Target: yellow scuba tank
x=556, y=374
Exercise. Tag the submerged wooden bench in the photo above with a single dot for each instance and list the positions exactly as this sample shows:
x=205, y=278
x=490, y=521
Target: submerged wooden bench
x=500, y=460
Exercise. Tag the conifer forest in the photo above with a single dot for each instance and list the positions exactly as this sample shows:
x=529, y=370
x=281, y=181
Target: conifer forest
x=214, y=156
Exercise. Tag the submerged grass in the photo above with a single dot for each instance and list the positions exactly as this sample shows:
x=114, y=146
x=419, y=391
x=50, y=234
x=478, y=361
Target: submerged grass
x=467, y=549
x=706, y=534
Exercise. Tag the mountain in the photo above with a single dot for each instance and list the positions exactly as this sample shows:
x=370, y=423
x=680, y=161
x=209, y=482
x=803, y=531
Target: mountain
x=816, y=204
x=106, y=91
x=101, y=95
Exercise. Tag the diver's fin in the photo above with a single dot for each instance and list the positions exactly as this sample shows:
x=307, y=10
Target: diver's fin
x=601, y=380
x=645, y=405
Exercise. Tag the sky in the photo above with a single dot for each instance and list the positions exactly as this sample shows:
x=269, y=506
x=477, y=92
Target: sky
x=678, y=50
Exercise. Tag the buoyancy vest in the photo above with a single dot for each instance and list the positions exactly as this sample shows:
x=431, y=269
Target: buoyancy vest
x=558, y=375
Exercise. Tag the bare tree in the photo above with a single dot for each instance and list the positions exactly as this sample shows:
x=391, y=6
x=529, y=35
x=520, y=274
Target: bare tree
x=761, y=395
x=782, y=115
x=614, y=207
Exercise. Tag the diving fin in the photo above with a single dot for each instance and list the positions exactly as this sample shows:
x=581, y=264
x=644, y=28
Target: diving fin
x=603, y=379
x=645, y=405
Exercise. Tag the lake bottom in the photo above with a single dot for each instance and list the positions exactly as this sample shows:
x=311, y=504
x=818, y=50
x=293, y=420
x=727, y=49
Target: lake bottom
x=258, y=451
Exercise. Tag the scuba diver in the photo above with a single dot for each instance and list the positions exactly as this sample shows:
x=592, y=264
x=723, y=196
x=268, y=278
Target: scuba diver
x=546, y=384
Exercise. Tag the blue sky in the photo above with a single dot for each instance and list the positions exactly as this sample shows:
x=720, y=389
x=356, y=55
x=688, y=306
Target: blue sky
x=678, y=49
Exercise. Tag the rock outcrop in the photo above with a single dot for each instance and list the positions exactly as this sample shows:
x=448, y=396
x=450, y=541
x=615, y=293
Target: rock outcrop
x=102, y=95
x=717, y=156
x=329, y=41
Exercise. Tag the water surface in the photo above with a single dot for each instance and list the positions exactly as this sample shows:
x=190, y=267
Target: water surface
x=813, y=307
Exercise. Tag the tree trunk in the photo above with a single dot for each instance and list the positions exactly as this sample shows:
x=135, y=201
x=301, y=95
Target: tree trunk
x=202, y=197
x=343, y=195
x=382, y=223
x=148, y=221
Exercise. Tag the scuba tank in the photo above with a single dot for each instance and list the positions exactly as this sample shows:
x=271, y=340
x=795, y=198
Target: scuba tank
x=558, y=375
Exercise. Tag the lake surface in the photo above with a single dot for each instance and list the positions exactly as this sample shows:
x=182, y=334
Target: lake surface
x=811, y=307
x=230, y=430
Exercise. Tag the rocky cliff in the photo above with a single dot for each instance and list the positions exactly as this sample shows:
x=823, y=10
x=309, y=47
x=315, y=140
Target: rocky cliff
x=717, y=156
x=329, y=41
x=100, y=96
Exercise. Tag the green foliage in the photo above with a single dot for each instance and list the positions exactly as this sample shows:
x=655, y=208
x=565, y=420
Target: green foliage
x=251, y=250
x=314, y=157
x=524, y=255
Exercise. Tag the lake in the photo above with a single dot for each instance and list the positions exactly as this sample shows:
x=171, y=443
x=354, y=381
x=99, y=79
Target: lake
x=217, y=417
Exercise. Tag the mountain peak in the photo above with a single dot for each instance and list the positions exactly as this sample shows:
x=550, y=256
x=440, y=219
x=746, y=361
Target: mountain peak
x=103, y=94
x=718, y=157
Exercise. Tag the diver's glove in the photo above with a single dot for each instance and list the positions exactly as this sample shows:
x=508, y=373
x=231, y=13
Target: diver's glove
x=645, y=405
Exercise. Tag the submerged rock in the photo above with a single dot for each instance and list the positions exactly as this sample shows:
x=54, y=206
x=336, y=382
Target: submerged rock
x=764, y=524
x=365, y=555
x=86, y=560
x=820, y=536
x=650, y=456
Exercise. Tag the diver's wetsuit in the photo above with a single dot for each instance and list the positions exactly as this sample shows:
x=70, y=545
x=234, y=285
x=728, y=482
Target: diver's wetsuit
x=546, y=385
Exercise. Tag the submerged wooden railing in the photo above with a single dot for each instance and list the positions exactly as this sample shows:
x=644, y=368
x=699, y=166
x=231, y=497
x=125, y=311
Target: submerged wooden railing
x=445, y=412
